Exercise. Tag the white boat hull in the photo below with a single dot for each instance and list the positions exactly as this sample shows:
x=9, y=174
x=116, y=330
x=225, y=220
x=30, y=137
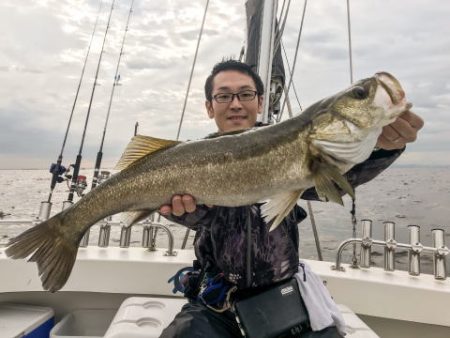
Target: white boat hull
x=394, y=304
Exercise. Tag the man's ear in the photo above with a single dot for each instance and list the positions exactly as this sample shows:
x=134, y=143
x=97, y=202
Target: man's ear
x=209, y=109
x=260, y=104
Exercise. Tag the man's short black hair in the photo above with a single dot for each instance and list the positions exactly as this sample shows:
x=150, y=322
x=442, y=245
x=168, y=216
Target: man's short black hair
x=232, y=65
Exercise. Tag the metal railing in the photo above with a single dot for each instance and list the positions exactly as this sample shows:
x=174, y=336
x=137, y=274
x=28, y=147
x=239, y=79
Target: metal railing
x=149, y=230
x=439, y=251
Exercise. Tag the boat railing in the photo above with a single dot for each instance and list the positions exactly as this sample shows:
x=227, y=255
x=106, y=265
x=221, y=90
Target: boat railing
x=150, y=229
x=149, y=237
x=415, y=248
x=439, y=251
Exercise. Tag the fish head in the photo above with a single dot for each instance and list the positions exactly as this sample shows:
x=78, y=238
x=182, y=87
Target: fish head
x=372, y=103
x=349, y=123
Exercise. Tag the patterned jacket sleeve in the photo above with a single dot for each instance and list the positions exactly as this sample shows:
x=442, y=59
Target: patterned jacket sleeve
x=365, y=171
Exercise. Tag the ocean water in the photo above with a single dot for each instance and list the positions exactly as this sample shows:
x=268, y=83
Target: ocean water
x=405, y=196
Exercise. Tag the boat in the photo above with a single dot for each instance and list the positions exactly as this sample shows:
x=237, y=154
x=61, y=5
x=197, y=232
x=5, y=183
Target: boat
x=124, y=291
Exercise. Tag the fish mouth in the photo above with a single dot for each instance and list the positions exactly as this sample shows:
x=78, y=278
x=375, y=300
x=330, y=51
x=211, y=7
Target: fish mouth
x=392, y=87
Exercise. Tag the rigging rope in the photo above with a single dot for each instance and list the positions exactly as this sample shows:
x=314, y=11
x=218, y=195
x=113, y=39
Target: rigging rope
x=349, y=42
x=192, y=69
x=115, y=83
x=353, y=213
x=186, y=235
x=308, y=203
x=294, y=62
x=76, y=169
x=287, y=101
x=281, y=30
x=57, y=169
x=290, y=74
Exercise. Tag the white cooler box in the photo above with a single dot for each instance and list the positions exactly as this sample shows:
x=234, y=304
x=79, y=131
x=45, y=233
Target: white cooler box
x=28, y=321
x=140, y=317
x=83, y=323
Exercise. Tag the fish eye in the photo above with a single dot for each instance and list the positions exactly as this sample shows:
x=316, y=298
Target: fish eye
x=359, y=93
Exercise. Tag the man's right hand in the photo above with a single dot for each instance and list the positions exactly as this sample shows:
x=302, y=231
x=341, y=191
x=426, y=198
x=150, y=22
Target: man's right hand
x=181, y=204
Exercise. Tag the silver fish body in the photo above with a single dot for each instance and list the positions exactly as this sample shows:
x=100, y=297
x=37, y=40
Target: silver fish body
x=273, y=164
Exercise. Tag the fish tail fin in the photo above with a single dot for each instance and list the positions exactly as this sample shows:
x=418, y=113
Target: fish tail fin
x=54, y=253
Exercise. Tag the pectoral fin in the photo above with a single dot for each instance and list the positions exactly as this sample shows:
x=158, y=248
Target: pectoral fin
x=278, y=207
x=141, y=146
x=324, y=178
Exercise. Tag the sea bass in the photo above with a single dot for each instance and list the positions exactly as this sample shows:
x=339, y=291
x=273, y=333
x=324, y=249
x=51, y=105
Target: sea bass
x=273, y=164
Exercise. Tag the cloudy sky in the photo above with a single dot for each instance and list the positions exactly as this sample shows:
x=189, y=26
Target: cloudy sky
x=44, y=42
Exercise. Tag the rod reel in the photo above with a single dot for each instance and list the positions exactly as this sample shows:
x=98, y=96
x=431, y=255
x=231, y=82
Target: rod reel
x=57, y=170
x=80, y=183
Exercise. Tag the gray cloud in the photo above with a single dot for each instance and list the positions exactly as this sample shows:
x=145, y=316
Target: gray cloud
x=44, y=44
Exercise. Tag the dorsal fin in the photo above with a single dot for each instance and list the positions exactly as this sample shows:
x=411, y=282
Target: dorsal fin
x=141, y=146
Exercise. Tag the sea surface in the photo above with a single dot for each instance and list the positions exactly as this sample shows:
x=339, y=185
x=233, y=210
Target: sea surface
x=405, y=196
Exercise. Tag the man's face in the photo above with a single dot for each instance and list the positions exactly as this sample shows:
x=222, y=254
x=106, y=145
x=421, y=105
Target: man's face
x=234, y=115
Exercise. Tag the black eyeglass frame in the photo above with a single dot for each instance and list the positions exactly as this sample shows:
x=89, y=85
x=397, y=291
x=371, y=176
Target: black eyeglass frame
x=238, y=95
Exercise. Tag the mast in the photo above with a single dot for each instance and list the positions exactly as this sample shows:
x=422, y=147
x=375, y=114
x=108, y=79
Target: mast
x=266, y=51
x=267, y=61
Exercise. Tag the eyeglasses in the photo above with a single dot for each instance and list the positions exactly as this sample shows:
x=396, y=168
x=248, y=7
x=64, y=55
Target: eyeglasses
x=246, y=95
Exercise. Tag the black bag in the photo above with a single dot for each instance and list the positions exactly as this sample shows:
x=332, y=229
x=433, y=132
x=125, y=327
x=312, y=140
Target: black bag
x=273, y=312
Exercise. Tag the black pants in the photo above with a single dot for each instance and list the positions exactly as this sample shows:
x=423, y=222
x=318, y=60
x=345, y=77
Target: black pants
x=197, y=321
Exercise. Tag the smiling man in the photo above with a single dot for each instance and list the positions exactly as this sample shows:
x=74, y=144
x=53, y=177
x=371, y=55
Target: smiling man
x=234, y=100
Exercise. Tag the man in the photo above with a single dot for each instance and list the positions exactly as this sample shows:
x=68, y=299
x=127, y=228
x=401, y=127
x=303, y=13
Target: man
x=234, y=99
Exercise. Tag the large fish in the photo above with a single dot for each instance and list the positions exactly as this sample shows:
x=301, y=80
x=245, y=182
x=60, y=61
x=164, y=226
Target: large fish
x=275, y=164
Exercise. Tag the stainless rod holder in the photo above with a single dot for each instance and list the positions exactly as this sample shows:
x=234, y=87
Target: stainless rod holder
x=85, y=240
x=152, y=239
x=146, y=236
x=67, y=204
x=155, y=217
x=125, y=236
x=103, y=237
x=391, y=244
x=149, y=238
x=366, y=244
x=439, y=259
x=416, y=249
x=44, y=210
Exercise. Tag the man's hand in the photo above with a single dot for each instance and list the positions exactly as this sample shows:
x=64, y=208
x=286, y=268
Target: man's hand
x=180, y=205
x=403, y=130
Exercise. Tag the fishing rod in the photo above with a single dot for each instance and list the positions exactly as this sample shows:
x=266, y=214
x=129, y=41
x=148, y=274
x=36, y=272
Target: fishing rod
x=56, y=169
x=98, y=160
x=192, y=68
x=76, y=169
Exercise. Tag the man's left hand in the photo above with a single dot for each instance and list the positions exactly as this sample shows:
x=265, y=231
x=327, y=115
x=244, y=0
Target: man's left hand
x=403, y=130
